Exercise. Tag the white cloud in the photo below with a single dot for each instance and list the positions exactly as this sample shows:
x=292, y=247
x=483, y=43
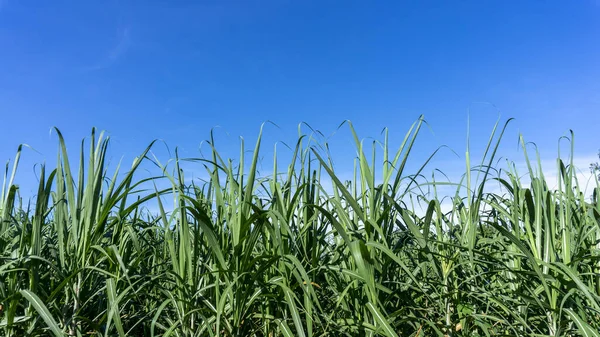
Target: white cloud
x=582, y=174
x=550, y=170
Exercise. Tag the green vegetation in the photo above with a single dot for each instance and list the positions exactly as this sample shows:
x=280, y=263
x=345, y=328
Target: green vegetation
x=286, y=255
x=595, y=167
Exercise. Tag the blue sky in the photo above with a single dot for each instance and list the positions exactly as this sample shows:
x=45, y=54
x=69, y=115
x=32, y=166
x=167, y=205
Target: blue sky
x=173, y=70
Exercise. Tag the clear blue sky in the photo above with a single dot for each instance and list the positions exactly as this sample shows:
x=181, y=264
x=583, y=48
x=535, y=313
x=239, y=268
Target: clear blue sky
x=175, y=69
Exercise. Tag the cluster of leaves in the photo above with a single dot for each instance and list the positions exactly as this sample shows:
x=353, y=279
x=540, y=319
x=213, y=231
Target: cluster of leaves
x=595, y=167
x=244, y=255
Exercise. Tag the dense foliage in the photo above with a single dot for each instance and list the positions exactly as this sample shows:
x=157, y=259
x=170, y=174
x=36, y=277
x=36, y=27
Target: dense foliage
x=595, y=167
x=286, y=255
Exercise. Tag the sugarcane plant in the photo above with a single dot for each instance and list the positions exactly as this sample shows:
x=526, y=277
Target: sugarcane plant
x=295, y=249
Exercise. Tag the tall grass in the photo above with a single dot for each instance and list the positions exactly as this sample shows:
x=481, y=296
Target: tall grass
x=288, y=255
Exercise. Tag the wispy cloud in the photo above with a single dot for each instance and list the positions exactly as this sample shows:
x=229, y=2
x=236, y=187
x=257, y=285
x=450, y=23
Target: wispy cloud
x=116, y=52
x=121, y=47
